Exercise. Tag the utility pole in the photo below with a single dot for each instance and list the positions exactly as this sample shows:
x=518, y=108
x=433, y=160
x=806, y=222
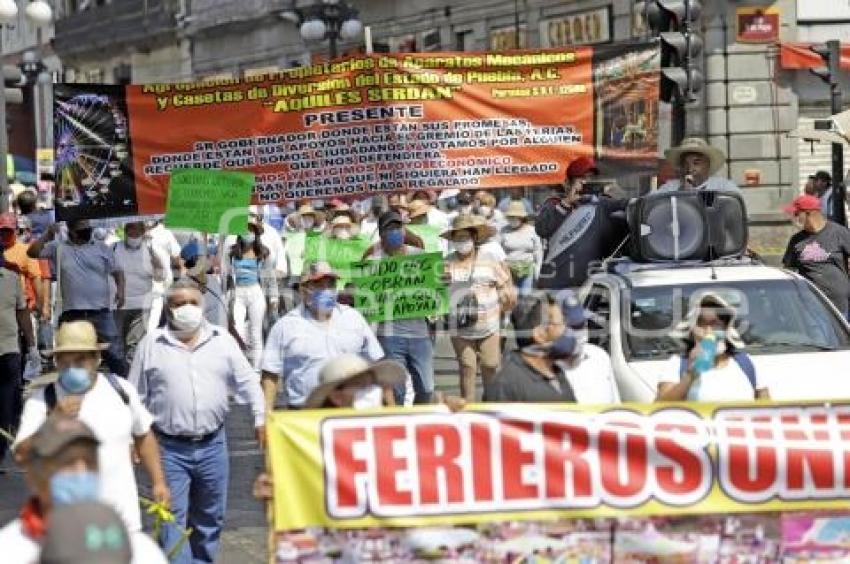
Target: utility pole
x=831, y=54
x=4, y=146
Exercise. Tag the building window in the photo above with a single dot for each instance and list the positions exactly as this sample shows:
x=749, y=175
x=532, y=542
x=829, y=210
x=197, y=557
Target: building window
x=463, y=40
x=94, y=76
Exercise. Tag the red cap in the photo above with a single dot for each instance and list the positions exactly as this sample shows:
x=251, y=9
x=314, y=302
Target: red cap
x=8, y=221
x=581, y=166
x=805, y=202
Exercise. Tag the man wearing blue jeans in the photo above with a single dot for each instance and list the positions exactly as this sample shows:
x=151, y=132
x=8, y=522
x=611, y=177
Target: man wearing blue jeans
x=84, y=268
x=407, y=341
x=183, y=373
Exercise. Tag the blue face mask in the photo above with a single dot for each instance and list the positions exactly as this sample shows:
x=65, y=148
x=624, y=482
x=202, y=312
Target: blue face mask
x=67, y=488
x=563, y=347
x=323, y=300
x=75, y=380
x=394, y=239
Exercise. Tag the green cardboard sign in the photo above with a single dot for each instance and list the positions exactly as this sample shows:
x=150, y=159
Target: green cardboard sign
x=339, y=253
x=210, y=201
x=430, y=235
x=403, y=287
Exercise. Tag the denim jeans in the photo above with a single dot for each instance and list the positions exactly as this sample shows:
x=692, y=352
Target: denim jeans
x=417, y=356
x=197, y=474
x=10, y=392
x=525, y=284
x=107, y=332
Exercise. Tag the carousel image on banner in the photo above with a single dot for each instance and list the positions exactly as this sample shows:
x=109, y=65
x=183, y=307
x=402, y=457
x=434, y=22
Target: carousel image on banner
x=423, y=466
x=361, y=125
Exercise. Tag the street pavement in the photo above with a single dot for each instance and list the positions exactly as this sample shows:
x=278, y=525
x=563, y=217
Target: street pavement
x=244, y=540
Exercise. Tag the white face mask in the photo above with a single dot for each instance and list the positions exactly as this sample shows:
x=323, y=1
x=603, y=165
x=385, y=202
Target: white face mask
x=369, y=397
x=464, y=247
x=514, y=223
x=485, y=210
x=342, y=233
x=133, y=242
x=187, y=317
x=307, y=222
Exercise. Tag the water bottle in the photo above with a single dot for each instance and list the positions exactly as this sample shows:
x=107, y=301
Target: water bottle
x=705, y=357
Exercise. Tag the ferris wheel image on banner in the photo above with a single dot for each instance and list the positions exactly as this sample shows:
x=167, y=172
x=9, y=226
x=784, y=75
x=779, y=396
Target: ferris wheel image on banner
x=92, y=156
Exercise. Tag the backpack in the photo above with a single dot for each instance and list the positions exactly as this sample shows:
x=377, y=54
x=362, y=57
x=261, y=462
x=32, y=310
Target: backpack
x=741, y=358
x=50, y=392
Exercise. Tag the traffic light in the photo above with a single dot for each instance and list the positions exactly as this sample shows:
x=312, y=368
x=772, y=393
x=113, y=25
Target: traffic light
x=674, y=21
x=12, y=82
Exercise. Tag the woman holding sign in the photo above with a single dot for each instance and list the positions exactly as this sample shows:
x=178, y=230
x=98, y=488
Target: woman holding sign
x=481, y=293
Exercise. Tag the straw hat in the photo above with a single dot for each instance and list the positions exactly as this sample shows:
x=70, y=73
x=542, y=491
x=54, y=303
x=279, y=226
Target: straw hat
x=417, y=208
x=306, y=209
x=344, y=368
x=465, y=222
x=516, y=209
x=725, y=312
x=342, y=220
x=714, y=155
x=77, y=336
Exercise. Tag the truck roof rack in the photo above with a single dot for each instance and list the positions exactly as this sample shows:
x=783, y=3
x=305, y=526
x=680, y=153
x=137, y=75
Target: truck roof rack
x=625, y=265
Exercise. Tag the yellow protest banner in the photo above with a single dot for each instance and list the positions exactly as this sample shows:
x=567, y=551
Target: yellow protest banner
x=500, y=462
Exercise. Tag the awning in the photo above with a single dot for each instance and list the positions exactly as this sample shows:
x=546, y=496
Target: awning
x=840, y=132
x=794, y=56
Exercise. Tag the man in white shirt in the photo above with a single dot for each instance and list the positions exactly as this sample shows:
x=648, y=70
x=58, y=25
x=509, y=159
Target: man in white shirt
x=185, y=373
x=107, y=404
x=143, y=265
x=305, y=338
x=697, y=161
x=62, y=473
x=164, y=241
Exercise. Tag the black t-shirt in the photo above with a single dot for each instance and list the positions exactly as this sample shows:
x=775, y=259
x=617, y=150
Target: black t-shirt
x=576, y=238
x=517, y=381
x=822, y=258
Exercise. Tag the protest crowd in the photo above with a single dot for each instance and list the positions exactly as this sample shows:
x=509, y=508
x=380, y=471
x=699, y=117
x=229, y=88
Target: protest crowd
x=123, y=345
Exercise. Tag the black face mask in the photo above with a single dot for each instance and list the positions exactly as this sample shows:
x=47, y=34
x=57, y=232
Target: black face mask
x=83, y=235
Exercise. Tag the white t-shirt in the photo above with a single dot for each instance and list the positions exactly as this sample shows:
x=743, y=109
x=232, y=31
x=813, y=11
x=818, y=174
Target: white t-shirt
x=723, y=383
x=114, y=424
x=592, y=380
x=18, y=548
x=166, y=243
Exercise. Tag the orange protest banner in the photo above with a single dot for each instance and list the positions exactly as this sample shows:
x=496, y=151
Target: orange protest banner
x=361, y=125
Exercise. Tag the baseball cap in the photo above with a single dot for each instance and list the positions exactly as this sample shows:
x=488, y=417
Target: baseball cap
x=822, y=175
x=804, y=202
x=8, y=221
x=86, y=533
x=317, y=271
x=581, y=166
x=387, y=219
x=56, y=433
x=574, y=314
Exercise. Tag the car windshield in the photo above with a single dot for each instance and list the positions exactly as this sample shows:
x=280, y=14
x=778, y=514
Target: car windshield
x=774, y=317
